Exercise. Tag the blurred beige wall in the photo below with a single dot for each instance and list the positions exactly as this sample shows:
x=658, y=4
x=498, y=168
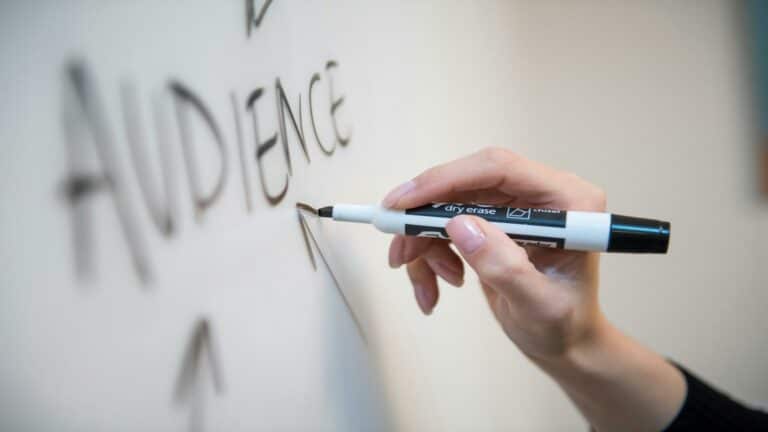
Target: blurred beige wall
x=650, y=100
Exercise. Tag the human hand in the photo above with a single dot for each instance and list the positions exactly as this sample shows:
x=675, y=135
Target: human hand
x=545, y=299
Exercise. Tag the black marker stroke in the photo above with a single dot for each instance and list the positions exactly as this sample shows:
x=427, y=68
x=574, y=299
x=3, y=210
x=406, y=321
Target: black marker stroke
x=262, y=148
x=300, y=206
x=253, y=20
x=306, y=207
x=188, y=389
x=83, y=120
x=305, y=236
x=335, y=103
x=315, y=79
x=184, y=96
x=298, y=128
x=241, y=152
x=308, y=236
x=161, y=215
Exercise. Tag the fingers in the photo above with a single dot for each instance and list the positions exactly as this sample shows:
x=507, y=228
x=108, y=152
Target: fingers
x=501, y=170
x=426, y=258
x=424, y=285
x=396, y=251
x=414, y=247
x=498, y=261
x=403, y=250
x=445, y=263
x=437, y=254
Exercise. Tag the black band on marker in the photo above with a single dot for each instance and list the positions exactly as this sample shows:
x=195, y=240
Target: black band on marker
x=638, y=235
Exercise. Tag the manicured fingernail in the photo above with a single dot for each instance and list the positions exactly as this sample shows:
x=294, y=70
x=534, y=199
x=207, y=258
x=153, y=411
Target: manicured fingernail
x=466, y=235
x=422, y=300
x=449, y=273
x=394, y=196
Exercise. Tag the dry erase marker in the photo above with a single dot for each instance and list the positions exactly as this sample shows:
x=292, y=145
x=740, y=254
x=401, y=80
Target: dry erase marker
x=573, y=230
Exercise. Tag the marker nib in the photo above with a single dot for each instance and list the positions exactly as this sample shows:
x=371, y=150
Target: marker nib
x=325, y=211
x=306, y=208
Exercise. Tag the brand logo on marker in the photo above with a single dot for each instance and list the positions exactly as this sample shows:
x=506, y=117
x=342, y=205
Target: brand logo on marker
x=518, y=213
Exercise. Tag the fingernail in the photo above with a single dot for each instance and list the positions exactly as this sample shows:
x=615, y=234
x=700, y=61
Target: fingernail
x=394, y=196
x=422, y=300
x=449, y=273
x=466, y=235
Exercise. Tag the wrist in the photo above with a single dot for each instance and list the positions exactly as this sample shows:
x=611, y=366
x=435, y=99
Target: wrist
x=617, y=383
x=593, y=347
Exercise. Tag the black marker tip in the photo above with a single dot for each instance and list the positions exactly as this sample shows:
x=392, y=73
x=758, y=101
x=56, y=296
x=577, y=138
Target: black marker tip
x=325, y=211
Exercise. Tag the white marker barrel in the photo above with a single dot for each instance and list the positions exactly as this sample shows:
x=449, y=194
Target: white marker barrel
x=573, y=230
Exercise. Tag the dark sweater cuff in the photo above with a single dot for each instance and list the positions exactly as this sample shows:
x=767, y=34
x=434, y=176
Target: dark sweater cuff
x=706, y=409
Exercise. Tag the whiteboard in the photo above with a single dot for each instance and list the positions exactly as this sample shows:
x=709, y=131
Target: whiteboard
x=179, y=292
x=156, y=275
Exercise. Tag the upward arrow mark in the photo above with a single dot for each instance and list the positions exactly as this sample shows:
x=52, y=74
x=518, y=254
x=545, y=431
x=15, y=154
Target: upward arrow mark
x=188, y=389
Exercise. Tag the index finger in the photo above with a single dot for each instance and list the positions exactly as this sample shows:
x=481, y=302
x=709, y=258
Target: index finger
x=501, y=169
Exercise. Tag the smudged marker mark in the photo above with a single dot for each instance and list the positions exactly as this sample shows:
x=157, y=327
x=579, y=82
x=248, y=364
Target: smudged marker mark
x=73, y=190
x=309, y=238
x=80, y=185
x=188, y=387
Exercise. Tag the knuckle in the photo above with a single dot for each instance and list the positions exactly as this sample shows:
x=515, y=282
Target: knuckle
x=505, y=271
x=497, y=155
x=415, y=247
x=429, y=175
x=597, y=199
x=587, y=195
x=413, y=273
x=556, y=313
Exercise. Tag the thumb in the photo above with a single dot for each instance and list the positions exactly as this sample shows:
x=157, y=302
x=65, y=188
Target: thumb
x=497, y=260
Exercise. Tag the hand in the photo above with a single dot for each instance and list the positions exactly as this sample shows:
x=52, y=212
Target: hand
x=544, y=299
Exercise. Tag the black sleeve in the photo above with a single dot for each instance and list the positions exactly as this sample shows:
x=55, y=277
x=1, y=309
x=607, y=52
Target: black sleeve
x=706, y=409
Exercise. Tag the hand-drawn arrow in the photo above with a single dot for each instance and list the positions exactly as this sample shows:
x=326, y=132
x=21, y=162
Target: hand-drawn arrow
x=188, y=388
x=308, y=236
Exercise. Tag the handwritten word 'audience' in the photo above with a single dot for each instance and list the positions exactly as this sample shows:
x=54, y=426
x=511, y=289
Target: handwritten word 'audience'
x=96, y=166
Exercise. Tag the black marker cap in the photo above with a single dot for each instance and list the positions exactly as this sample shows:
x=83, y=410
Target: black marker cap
x=638, y=235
